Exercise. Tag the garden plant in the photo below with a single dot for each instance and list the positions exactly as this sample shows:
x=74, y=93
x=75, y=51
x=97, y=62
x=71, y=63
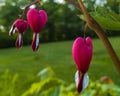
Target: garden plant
x=82, y=52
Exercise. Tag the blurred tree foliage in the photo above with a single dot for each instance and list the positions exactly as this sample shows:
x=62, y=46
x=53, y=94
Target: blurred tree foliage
x=63, y=22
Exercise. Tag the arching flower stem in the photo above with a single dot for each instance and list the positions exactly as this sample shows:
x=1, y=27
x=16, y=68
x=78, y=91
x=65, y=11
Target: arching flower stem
x=27, y=6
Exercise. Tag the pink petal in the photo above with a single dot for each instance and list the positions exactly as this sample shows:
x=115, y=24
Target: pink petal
x=21, y=25
x=82, y=53
x=37, y=19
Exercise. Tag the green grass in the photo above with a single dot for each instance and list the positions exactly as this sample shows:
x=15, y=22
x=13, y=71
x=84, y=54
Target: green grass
x=58, y=56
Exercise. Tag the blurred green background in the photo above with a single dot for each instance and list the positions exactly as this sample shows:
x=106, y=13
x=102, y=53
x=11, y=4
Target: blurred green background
x=63, y=20
x=19, y=68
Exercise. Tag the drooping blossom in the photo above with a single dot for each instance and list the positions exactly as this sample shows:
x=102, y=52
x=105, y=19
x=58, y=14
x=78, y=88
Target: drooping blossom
x=37, y=20
x=19, y=25
x=82, y=55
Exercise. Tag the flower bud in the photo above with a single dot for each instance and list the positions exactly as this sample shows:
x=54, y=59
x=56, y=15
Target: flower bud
x=82, y=53
x=19, y=25
x=37, y=20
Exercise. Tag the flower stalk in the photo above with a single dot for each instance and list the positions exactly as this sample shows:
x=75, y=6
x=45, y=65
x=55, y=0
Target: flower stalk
x=27, y=6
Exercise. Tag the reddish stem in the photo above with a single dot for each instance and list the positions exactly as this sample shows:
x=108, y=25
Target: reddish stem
x=27, y=6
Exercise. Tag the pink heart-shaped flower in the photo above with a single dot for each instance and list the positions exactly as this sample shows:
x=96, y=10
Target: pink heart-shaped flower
x=37, y=19
x=82, y=53
x=19, y=25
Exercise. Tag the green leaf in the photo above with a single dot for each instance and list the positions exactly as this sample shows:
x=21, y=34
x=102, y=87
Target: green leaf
x=45, y=85
x=53, y=91
x=46, y=73
x=113, y=89
x=106, y=18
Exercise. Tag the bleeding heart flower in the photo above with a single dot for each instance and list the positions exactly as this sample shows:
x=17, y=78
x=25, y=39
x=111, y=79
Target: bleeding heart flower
x=21, y=26
x=82, y=55
x=37, y=20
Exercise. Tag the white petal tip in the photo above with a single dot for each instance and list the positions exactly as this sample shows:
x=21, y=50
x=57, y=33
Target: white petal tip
x=85, y=80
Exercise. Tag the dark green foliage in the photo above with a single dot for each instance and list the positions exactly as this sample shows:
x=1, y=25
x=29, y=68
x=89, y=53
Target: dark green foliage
x=107, y=19
x=63, y=22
